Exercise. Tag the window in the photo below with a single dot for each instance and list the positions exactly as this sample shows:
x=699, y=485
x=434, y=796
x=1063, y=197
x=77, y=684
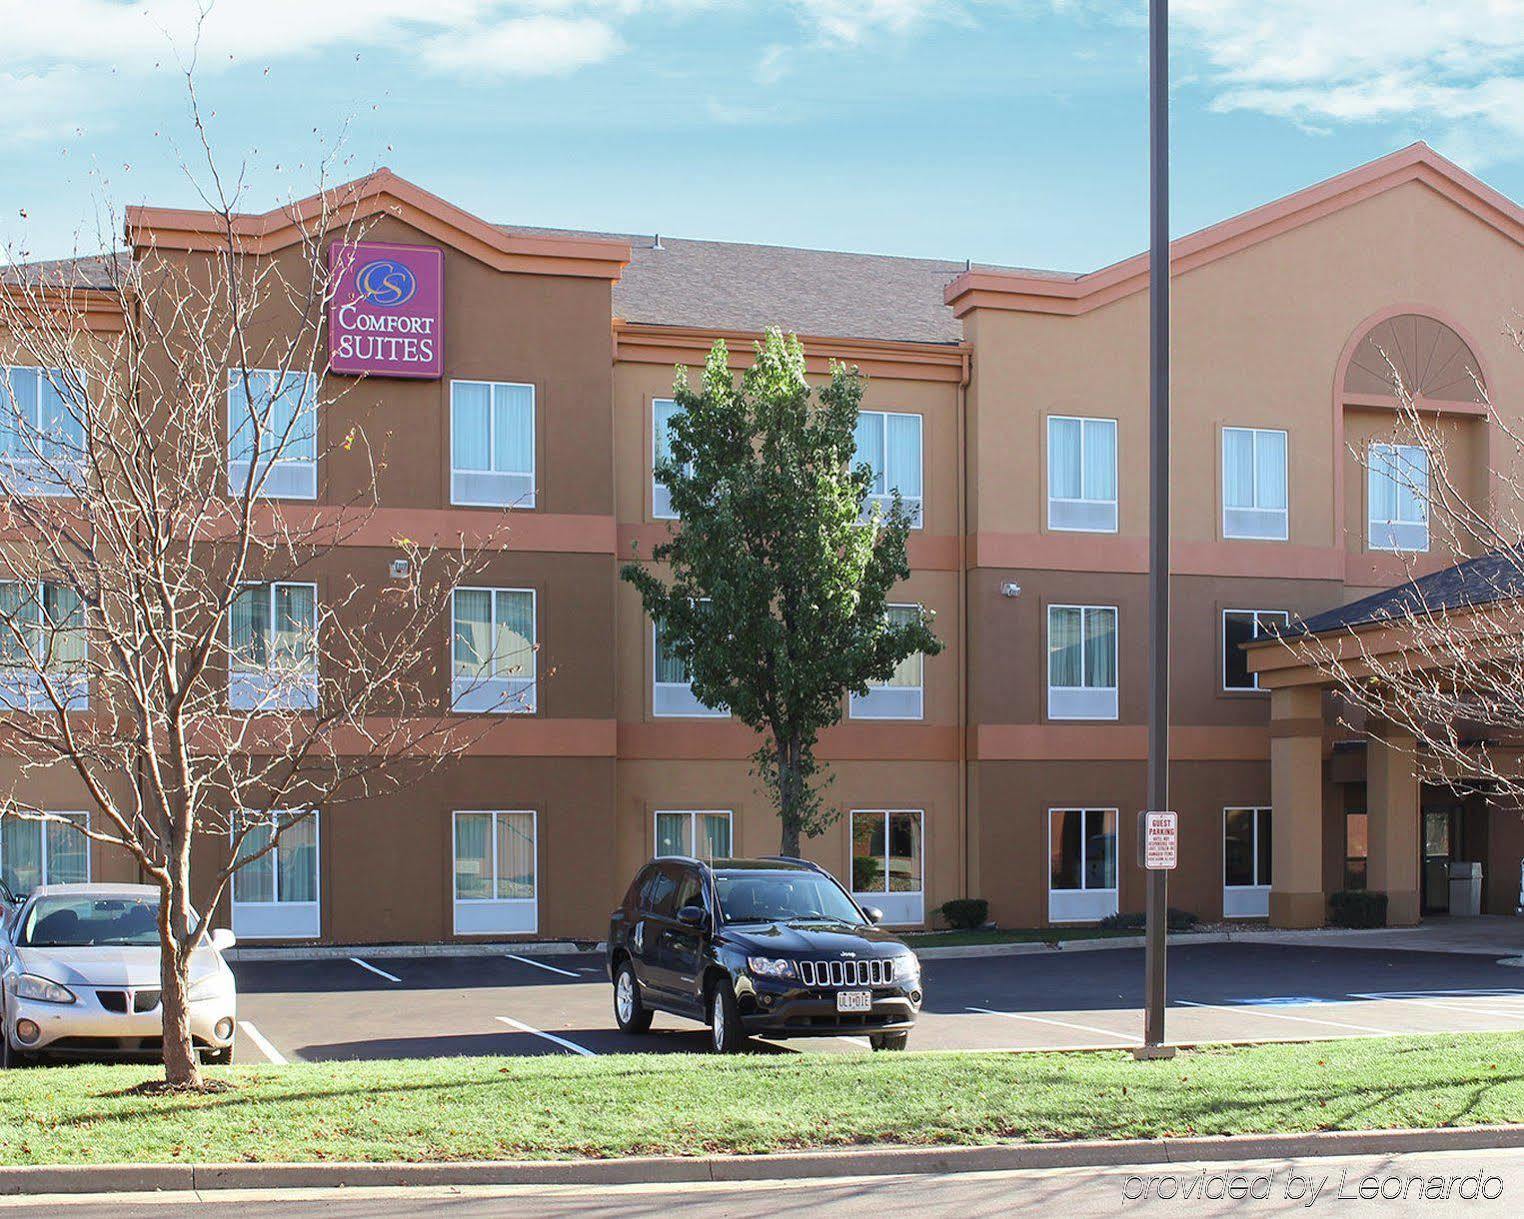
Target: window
x=1356, y=849
x=703, y=835
x=662, y=411
x=1082, y=474
x=1238, y=628
x=886, y=863
x=494, y=650
x=42, y=438
x=1082, y=864
x=1254, y=483
x=275, y=894
x=1246, y=863
x=891, y=445
x=495, y=873
x=671, y=691
x=1082, y=662
x=42, y=644
x=491, y=444
x=282, y=457
x=901, y=697
x=36, y=853
x=1397, y=480
x=273, y=648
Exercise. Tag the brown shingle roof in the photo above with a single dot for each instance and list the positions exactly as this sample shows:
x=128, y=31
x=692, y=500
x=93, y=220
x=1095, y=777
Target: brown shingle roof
x=91, y=271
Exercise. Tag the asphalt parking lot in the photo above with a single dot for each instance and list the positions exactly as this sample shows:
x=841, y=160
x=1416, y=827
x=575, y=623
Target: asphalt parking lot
x=373, y=1006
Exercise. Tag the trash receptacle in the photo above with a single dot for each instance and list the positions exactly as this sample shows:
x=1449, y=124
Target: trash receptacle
x=1465, y=888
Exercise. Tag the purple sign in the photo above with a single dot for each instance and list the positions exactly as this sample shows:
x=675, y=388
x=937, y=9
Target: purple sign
x=386, y=315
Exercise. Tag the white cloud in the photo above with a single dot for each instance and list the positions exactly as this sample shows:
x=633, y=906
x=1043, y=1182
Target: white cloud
x=525, y=46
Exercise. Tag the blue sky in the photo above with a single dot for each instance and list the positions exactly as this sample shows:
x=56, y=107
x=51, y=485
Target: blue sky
x=1006, y=131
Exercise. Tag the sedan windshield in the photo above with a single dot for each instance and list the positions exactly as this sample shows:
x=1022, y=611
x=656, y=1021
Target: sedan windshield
x=90, y=922
x=777, y=897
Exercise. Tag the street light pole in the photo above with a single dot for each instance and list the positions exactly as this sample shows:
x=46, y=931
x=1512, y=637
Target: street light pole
x=1158, y=506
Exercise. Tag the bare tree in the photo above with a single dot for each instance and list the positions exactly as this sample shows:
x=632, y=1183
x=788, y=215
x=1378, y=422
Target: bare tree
x=161, y=639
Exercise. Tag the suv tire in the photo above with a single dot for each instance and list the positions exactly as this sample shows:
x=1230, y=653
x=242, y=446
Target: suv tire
x=630, y=1014
x=888, y=1041
x=726, y=1036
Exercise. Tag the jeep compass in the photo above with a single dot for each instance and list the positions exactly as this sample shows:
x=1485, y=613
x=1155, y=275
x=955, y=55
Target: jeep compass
x=771, y=948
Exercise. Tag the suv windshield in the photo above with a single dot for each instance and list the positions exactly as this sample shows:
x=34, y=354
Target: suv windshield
x=90, y=922
x=775, y=897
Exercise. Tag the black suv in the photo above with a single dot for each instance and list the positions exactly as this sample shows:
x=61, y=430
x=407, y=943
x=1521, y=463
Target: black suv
x=771, y=947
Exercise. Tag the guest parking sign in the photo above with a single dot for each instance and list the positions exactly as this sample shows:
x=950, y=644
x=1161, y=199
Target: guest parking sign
x=1161, y=841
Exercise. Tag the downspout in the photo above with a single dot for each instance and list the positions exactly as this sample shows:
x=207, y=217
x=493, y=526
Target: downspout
x=965, y=863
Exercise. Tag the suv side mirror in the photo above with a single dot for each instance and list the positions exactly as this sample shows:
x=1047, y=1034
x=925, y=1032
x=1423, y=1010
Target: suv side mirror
x=692, y=916
x=875, y=915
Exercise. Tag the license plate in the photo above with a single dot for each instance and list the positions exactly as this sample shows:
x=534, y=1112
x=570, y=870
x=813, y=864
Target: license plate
x=854, y=1001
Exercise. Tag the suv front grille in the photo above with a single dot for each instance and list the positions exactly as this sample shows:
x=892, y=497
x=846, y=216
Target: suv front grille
x=846, y=973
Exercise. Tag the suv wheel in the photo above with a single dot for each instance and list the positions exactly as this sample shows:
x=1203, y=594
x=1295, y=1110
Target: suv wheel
x=888, y=1041
x=630, y=1013
x=726, y=1034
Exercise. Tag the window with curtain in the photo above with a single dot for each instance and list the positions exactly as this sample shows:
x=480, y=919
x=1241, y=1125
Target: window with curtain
x=50, y=852
x=1254, y=503
x=492, y=444
x=699, y=835
x=902, y=696
x=495, y=870
x=494, y=650
x=890, y=444
x=1082, y=474
x=1082, y=662
x=272, y=433
x=1397, y=483
x=273, y=648
x=42, y=436
x=1238, y=628
x=289, y=872
x=671, y=690
x=43, y=645
x=662, y=412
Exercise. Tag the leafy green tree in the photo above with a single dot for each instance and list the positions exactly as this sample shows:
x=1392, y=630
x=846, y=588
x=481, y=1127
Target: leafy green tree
x=776, y=601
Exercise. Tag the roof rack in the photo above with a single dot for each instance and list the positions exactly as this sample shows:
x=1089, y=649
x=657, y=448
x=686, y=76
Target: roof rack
x=803, y=863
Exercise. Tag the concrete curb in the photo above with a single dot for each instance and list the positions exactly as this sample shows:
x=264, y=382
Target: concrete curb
x=855, y=1162
x=399, y=952
x=1342, y=938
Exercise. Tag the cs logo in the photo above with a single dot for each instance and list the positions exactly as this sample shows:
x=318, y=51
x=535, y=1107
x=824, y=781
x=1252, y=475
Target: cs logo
x=386, y=283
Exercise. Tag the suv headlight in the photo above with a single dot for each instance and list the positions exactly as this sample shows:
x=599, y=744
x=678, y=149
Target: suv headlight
x=907, y=967
x=30, y=986
x=771, y=967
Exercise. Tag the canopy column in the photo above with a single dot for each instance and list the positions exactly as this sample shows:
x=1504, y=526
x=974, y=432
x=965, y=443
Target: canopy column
x=1296, y=797
x=1391, y=802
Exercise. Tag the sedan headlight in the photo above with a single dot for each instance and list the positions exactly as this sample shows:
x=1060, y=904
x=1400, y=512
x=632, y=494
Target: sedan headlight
x=771, y=967
x=30, y=986
x=209, y=987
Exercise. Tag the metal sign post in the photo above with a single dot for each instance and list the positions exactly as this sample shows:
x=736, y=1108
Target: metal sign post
x=1158, y=511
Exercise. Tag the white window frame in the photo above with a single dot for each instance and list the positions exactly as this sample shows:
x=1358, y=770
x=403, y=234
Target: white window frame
x=1283, y=515
x=250, y=688
x=517, y=694
x=527, y=500
x=1054, y=523
x=902, y=908
x=1246, y=901
x=24, y=475
x=42, y=829
x=1392, y=527
x=676, y=700
x=276, y=919
x=1083, y=702
x=692, y=815
x=25, y=691
x=1083, y=905
x=661, y=497
x=914, y=502
x=494, y=915
x=886, y=702
x=301, y=472
x=1255, y=688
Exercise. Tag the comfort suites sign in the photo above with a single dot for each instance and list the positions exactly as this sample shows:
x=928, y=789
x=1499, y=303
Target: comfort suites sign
x=386, y=315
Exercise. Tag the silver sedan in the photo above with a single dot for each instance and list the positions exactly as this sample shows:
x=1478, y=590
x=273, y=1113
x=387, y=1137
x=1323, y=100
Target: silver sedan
x=79, y=975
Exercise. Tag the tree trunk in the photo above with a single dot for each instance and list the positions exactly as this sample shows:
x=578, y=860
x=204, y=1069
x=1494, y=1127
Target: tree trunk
x=788, y=796
x=182, y=1066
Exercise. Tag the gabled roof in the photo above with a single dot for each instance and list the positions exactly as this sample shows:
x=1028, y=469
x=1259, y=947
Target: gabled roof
x=1082, y=293
x=1496, y=576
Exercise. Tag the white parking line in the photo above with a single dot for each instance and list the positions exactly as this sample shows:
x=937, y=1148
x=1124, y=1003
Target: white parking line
x=560, y=1041
x=264, y=1047
x=379, y=972
x=555, y=969
x=1084, y=1028
x=1457, y=1005
x=1280, y=1015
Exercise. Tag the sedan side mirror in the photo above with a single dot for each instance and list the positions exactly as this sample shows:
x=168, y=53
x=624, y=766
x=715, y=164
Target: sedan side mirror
x=875, y=915
x=692, y=916
x=223, y=939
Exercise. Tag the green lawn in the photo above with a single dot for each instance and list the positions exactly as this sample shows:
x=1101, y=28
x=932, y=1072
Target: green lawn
x=1029, y=935
x=679, y=1105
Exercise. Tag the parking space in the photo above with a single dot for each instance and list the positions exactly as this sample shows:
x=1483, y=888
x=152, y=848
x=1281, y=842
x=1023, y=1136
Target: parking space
x=372, y=1006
